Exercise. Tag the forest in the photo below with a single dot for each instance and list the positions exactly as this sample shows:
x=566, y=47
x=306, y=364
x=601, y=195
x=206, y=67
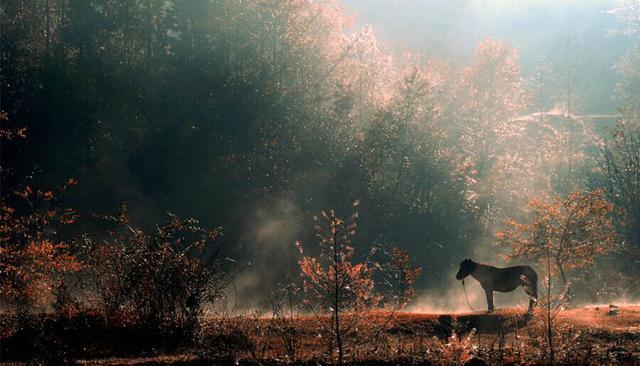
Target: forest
x=297, y=181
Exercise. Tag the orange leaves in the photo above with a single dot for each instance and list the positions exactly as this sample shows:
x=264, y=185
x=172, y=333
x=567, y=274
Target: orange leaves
x=214, y=233
x=311, y=270
x=21, y=132
x=33, y=196
x=32, y=273
x=68, y=217
x=573, y=231
x=10, y=133
x=25, y=192
x=403, y=275
x=51, y=257
x=332, y=277
x=34, y=257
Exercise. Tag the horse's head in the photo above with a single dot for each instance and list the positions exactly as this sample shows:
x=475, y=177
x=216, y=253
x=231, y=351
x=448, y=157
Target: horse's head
x=466, y=267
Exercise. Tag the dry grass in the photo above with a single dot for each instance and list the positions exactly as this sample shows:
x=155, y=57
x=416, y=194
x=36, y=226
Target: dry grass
x=162, y=359
x=586, y=335
x=583, y=335
x=627, y=319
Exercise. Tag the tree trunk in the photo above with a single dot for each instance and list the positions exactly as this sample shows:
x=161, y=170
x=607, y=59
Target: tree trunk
x=336, y=297
x=47, y=12
x=562, y=274
x=549, y=317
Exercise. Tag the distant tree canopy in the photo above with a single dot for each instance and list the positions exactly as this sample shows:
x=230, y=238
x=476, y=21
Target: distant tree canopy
x=218, y=109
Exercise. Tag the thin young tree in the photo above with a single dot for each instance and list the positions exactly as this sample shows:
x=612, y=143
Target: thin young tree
x=400, y=274
x=551, y=302
x=334, y=285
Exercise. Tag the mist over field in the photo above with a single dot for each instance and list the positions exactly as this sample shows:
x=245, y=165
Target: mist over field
x=166, y=161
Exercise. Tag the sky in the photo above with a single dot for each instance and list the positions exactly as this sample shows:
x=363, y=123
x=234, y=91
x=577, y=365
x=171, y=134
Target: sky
x=560, y=32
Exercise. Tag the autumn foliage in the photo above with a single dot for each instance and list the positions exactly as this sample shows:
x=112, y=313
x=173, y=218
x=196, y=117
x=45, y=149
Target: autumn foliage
x=333, y=284
x=34, y=256
x=574, y=231
x=400, y=274
x=332, y=279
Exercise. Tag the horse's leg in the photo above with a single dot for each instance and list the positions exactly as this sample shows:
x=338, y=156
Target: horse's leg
x=489, y=294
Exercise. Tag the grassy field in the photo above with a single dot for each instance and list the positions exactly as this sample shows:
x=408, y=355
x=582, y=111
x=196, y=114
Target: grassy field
x=589, y=335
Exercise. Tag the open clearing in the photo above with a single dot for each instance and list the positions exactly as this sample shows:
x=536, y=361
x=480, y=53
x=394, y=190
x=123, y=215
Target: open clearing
x=591, y=334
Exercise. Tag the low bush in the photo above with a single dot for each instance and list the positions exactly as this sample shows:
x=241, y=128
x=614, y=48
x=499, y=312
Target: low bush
x=159, y=278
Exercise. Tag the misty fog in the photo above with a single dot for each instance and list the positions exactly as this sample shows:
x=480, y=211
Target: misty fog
x=444, y=119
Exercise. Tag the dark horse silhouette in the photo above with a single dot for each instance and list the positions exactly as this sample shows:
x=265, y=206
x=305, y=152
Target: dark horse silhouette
x=501, y=279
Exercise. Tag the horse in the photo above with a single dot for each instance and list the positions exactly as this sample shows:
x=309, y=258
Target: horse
x=501, y=279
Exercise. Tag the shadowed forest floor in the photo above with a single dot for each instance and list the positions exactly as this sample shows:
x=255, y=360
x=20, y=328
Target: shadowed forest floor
x=582, y=335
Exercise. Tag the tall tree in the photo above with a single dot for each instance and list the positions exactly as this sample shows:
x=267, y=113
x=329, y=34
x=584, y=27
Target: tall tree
x=493, y=95
x=620, y=163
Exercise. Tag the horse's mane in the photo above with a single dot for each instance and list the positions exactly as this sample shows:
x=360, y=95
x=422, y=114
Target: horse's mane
x=481, y=263
x=485, y=264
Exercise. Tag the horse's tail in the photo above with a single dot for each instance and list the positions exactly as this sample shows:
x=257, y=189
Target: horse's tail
x=533, y=280
x=534, y=285
x=530, y=279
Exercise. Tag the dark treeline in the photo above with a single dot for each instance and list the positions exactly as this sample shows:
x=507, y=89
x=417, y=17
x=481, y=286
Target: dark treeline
x=254, y=115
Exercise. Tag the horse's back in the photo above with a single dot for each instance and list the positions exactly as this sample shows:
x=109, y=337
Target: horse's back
x=510, y=277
